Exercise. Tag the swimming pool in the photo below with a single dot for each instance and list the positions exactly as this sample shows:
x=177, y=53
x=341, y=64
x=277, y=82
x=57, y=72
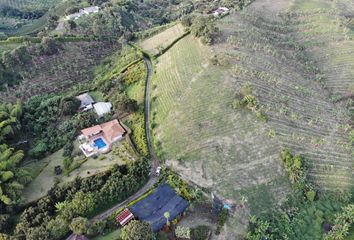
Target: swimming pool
x=99, y=143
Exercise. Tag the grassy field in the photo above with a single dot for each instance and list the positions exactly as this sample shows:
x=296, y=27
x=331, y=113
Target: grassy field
x=197, y=131
x=8, y=47
x=110, y=236
x=43, y=170
x=162, y=40
x=278, y=56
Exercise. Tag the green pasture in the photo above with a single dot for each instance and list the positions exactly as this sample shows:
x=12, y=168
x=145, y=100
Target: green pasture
x=198, y=133
x=110, y=236
x=43, y=170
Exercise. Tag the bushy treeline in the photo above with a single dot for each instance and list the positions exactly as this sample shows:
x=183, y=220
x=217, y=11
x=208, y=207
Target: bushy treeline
x=52, y=121
x=50, y=217
x=28, y=14
x=12, y=179
x=13, y=63
x=297, y=172
x=306, y=214
x=203, y=27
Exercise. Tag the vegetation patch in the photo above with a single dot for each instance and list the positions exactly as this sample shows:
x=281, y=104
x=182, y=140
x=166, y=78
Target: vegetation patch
x=160, y=41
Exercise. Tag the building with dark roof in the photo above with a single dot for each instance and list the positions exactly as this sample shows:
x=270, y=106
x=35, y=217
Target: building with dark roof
x=152, y=208
x=86, y=101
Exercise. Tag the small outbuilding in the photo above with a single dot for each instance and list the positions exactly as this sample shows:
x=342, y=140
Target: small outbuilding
x=124, y=217
x=152, y=208
x=86, y=101
x=80, y=237
x=102, y=108
x=221, y=11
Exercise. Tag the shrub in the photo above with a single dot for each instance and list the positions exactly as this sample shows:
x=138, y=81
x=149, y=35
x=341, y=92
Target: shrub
x=39, y=150
x=200, y=233
x=58, y=170
x=204, y=28
x=79, y=225
x=68, y=148
x=222, y=218
x=183, y=232
x=69, y=105
x=136, y=230
x=67, y=163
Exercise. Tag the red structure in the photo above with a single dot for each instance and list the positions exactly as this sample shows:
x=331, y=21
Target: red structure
x=124, y=217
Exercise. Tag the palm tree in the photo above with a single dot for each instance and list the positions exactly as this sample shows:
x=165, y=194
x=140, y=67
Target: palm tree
x=9, y=115
x=167, y=216
x=11, y=179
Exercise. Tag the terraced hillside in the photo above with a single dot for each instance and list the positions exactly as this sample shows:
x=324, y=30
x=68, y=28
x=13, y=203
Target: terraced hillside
x=275, y=55
x=74, y=63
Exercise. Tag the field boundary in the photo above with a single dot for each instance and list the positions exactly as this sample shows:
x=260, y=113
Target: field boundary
x=154, y=56
x=14, y=40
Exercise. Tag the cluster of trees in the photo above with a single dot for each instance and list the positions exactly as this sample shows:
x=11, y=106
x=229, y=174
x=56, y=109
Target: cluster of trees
x=137, y=123
x=136, y=230
x=65, y=206
x=181, y=186
x=202, y=27
x=246, y=99
x=10, y=115
x=299, y=219
x=12, y=179
x=305, y=214
x=294, y=166
x=342, y=224
x=28, y=14
x=52, y=122
x=121, y=18
x=12, y=62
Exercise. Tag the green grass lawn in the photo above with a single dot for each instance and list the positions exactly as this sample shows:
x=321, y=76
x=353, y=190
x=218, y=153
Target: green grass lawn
x=136, y=91
x=110, y=236
x=7, y=47
x=43, y=170
x=97, y=96
x=45, y=180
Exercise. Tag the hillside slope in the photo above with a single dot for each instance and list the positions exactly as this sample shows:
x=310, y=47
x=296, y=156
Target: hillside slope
x=232, y=151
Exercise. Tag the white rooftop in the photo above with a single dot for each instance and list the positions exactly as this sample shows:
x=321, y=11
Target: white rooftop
x=102, y=108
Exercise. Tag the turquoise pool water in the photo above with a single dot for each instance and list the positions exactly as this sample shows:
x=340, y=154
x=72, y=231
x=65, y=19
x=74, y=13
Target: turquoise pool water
x=99, y=143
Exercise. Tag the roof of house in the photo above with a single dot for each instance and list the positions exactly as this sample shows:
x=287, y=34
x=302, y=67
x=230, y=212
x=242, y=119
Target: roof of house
x=85, y=100
x=110, y=130
x=102, y=108
x=152, y=208
x=80, y=237
x=91, y=9
x=124, y=217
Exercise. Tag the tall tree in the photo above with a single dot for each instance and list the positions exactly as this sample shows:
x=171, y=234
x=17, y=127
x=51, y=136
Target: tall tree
x=136, y=230
x=11, y=179
x=9, y=119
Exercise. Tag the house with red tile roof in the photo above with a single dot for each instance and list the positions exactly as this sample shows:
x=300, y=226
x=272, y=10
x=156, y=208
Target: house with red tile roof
x=124, y=217
x=99, y=138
